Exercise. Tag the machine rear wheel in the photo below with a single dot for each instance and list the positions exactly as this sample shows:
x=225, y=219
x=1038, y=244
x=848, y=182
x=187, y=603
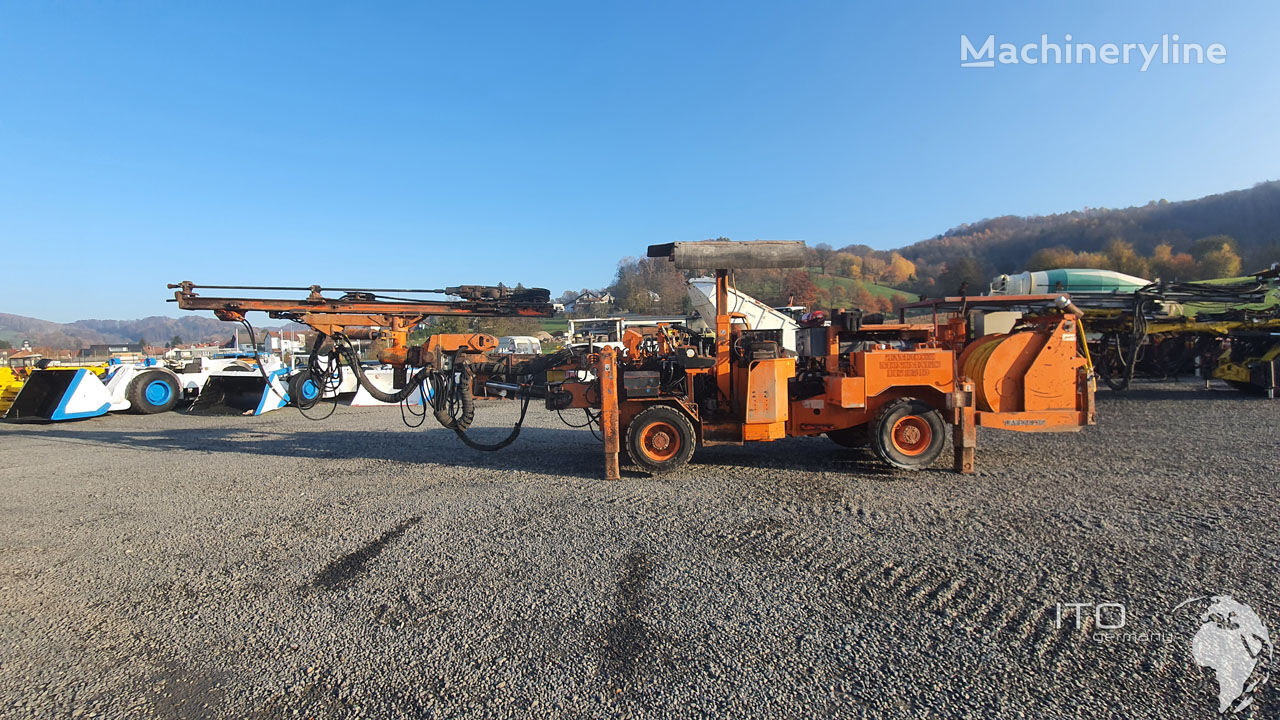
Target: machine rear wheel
x=660, y=439
x=908, y=434
x=152, y=392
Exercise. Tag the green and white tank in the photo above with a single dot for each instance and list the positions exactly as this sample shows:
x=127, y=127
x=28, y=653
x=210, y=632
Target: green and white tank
x=1069, y=280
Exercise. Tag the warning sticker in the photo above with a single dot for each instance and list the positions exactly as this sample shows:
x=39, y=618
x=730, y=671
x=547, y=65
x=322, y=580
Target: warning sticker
x=910, y=366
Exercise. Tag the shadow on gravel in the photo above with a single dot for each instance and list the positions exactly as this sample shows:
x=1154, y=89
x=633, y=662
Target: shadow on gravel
x=565, y=452
x=576, y=453
x=345, y=569
x=795, y=454
x=629, y=643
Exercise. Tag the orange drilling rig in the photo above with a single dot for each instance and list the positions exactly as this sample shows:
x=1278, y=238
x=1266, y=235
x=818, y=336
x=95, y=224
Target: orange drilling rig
x=853, y=377
x=860, y=381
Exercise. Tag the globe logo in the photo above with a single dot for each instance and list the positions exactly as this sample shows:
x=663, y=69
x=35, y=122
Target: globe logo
x=1233, y=642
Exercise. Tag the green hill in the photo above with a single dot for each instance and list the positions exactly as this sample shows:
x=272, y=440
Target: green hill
x=850, y=285
x=975, y=252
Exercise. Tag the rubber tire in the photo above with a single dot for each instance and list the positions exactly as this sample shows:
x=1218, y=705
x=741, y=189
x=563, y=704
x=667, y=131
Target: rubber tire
x=882, y=434
x=851, y=437
x=297, y=397
x=136, y=393
x=673, y=419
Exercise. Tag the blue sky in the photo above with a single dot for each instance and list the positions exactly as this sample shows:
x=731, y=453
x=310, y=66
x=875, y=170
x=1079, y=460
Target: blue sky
x=423, y=145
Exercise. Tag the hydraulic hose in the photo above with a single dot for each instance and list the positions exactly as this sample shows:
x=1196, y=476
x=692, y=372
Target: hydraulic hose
x=455, y=407
x=354, y=362
x=253, y=344
x=493, y=447
x=453, y=403
x=316, y=377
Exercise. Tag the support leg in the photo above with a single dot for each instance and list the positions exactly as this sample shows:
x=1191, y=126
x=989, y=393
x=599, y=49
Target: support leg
x=964, y=432
x=607, y=373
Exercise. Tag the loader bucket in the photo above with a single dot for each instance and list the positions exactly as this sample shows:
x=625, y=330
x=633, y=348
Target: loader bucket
x=240, y=393
x=61, y=395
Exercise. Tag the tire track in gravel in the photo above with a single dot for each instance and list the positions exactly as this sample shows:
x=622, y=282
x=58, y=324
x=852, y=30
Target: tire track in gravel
x=1021, y=621
x=1009, y=619
x=1011, y=606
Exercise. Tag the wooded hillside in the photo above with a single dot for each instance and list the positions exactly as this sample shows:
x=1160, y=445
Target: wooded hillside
x=1214, y=236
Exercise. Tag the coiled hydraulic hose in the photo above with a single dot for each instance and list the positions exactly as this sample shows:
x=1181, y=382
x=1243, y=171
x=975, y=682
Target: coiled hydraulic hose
x=326, y=379
x=452, y=402
x=353, y=360
x=455, y=407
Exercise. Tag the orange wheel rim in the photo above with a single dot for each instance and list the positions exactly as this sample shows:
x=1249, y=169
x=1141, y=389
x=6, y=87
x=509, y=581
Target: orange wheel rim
x=911, y=435
x=660, y=441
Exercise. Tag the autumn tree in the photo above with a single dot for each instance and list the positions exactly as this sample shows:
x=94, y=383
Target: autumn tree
x=1121, y=257
x=873, y=268
x=849, y=265
x=899, y=270
x=962, y=276
x=649, y=285
x=1051, y=259
x=1216, y=257
x=1168, y=265
x=822, y=255
x=799, y=288
x=863, y=299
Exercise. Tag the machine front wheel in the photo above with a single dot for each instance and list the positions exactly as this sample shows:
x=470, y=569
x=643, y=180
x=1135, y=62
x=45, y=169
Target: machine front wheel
x=908, y=434
x=152, y=392
x=660, y=439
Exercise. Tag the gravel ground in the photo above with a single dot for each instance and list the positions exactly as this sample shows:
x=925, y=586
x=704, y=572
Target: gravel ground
x=180, y=566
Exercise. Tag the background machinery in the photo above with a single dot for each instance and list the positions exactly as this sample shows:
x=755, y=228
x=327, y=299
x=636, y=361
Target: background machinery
x=1227, y=329
x=73, y=392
